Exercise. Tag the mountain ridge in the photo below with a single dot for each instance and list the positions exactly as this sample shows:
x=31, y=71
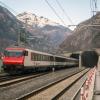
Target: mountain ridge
x=46, y=38
x=85, y=36
x=33, y=19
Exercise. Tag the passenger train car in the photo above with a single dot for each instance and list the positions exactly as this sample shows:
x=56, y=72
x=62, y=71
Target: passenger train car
x=17, y=58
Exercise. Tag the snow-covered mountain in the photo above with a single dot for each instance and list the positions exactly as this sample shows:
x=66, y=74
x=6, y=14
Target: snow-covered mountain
x=35, y=20
x=48, y=34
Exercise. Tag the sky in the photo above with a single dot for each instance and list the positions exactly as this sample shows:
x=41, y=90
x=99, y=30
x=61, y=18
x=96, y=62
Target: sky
x=77, y=10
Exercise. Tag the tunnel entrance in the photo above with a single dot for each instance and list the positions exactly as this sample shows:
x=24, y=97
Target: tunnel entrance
x=89, y=58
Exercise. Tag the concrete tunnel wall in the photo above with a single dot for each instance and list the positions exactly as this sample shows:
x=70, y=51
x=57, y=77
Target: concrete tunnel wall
x=89, y=58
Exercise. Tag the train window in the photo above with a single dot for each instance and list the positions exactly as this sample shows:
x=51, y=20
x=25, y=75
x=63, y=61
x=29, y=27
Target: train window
x=36, y=57
x=48, y=58
x=62, y=59
x=25, y=53
x=51, y=58
x=13, y=53
x=43, y=57
x=58, y=59
x=39, y=57
x=32, y=56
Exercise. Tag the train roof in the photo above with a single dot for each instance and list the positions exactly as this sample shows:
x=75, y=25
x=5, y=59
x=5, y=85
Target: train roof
x=28, y=49
x=60, y=56
x=14, y=48
x=39, y=52
x=70, y=58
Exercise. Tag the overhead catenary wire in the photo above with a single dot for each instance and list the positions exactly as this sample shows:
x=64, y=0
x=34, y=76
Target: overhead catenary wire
x=10, y=9
x=93, y=6
x=55, y=12
x=60, y=6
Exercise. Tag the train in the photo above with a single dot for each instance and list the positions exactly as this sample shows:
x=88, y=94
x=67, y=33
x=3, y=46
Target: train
x=20, y=59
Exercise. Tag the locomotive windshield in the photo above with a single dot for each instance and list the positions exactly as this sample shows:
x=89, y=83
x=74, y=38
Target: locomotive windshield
x=13, y=53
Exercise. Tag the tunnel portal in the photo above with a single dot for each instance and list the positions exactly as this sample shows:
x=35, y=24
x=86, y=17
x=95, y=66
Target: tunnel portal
x=89, y=58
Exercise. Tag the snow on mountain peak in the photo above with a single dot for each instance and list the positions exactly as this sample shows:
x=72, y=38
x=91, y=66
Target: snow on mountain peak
x=33, y=19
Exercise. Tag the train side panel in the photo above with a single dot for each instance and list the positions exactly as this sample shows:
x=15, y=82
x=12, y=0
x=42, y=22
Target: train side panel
x=30, y=62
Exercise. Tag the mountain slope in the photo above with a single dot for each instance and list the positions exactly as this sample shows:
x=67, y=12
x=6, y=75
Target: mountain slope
x=41, y=33
x=48, y=35
x=86, y=35
x=8, y=27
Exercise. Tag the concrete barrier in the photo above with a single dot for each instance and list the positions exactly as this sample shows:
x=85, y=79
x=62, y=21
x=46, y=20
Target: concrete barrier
x=88, y=87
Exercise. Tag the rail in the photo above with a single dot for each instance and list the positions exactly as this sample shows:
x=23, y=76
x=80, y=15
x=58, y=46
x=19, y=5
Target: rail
x=51, y=91
x=17, y=80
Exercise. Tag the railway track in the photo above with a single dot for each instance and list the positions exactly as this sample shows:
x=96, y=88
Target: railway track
x=8, y=77
x=24, y=88
x=61, y=89
x=9, y=80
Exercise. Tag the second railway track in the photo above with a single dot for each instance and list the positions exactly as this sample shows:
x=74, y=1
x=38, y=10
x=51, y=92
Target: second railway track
x=25, y=88
x=55, y=90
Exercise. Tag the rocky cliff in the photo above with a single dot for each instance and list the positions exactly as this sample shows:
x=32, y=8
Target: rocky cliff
x=86, y=35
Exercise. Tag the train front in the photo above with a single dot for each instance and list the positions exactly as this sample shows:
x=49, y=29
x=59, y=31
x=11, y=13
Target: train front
x=13, y=59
